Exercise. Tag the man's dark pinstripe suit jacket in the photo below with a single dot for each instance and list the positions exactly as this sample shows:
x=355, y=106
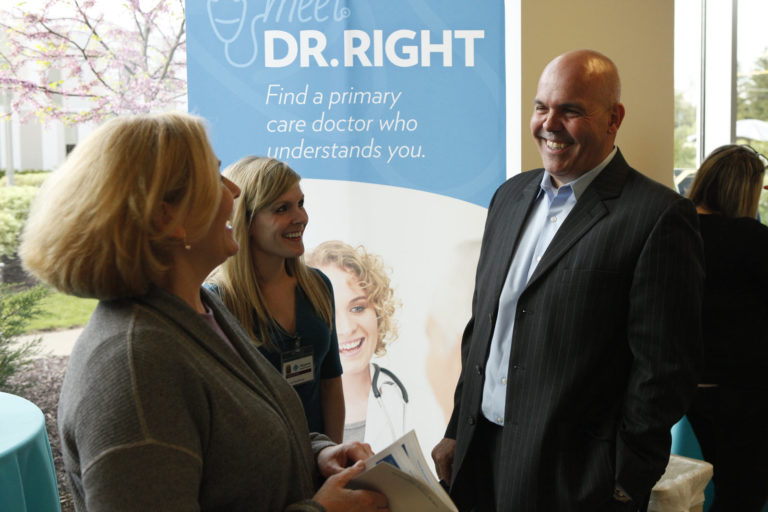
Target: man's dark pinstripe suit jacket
x=606, y=345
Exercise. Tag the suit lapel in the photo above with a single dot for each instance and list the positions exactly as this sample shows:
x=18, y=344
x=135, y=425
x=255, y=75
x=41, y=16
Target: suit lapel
x=511, y=227
x=589, y=209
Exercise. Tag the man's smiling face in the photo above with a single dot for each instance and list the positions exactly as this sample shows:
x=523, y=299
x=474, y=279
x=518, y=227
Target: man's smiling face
x=575, y=118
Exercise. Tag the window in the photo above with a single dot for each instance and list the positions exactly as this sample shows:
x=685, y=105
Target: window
x=721, y=81
x=687, y=90
x=752, y=81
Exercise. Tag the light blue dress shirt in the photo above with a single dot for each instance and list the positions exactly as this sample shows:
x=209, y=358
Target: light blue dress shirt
x=550, y=209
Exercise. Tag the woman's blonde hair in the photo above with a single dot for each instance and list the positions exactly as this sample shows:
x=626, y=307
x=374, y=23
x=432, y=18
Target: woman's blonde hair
x=371, y=273
x=729, y=181
x=262, y=181
x=93, y=229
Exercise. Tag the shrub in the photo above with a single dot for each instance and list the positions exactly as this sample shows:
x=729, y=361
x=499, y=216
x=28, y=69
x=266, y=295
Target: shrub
x=27, y=177
x=17, y=307
x=14, y=209
x=31, y=179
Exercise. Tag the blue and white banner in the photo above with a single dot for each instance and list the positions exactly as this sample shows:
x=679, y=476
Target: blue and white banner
x=393, y=113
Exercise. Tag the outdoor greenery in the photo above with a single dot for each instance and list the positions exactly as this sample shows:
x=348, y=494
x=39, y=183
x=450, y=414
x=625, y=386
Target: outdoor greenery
x=752, y=103
x=25, y=178
x=61, y=311
x=18, y=306
x=685, y=127
x=51, y=310
x=14, y=209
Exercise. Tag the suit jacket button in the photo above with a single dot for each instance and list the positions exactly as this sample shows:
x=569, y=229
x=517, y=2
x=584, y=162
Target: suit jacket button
x=478, y=369
x=471, y=420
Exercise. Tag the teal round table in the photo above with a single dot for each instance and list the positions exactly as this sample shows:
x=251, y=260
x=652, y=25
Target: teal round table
x=27, y=475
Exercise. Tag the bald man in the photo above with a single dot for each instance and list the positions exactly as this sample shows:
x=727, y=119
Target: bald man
x=584, y=342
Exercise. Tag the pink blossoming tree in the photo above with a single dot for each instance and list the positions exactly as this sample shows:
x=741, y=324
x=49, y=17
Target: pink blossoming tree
x=82, y=60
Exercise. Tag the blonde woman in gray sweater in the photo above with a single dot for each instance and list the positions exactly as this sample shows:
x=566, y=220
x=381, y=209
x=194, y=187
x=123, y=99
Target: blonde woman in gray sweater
x=166, y=404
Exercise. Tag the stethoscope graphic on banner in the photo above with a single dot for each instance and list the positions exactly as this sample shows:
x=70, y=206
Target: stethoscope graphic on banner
x=377, y=389
x=224, y=24
x=229, y=25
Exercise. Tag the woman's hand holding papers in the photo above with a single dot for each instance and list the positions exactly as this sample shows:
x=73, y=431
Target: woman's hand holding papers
x=333, y=495
x=335, y=458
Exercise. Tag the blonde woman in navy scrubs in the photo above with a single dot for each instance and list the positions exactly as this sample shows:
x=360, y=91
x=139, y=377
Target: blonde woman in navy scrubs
x=285, y=306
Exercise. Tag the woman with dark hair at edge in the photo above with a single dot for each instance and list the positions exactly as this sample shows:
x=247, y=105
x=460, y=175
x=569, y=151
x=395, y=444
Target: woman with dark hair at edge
x=730, y=412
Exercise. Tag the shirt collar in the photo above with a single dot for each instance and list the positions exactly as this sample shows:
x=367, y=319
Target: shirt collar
x=580, y=184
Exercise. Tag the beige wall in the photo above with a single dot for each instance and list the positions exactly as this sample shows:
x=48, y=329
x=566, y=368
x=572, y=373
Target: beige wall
x=638, y=36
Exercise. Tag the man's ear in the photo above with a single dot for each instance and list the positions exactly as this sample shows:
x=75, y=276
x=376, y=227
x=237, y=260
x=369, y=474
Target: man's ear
x=166, y=221
x=617, y=116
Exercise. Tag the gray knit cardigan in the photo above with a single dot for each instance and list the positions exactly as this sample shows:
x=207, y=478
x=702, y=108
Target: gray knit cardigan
x=157, y=412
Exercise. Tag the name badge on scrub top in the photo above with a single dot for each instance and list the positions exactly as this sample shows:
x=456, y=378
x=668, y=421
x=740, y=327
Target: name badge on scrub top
x=298, y=365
